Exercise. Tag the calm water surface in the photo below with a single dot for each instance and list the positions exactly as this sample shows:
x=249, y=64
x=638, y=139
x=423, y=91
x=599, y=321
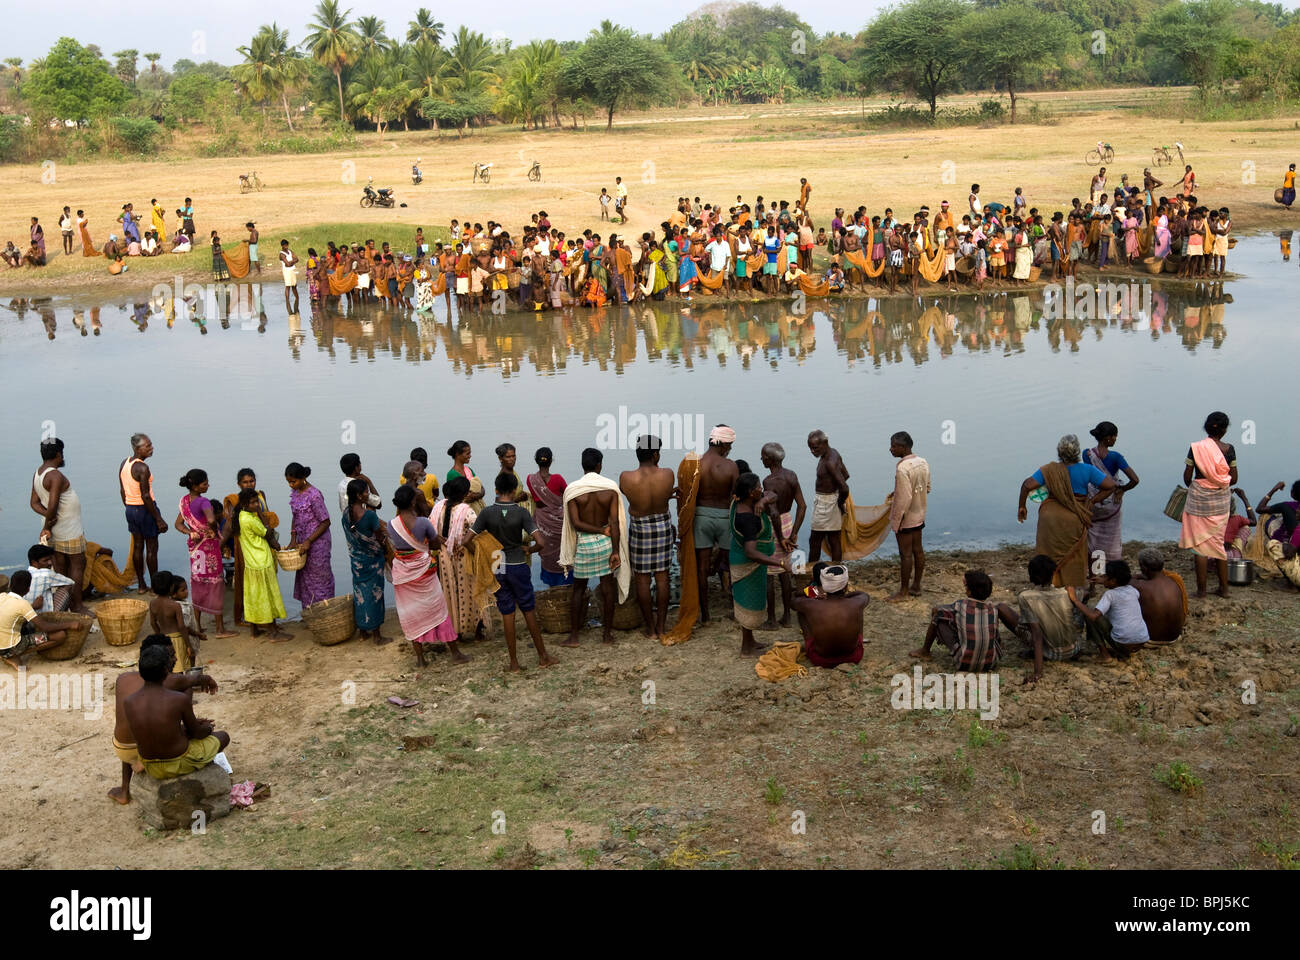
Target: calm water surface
x=260, y=388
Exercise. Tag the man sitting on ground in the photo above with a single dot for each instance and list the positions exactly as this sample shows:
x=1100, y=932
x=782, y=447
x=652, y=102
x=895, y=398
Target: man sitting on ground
x=1047, y=621
x=832, y=624
x=1162, y=597
x=23, y=631
x=172, y=742
x=969, y=627
x=1115, y=625
x=50, y=592
x=127, y=684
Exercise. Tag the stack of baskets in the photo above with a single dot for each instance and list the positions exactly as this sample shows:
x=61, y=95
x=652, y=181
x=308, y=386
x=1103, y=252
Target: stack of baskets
x=121, y=620
x=77, y=625
x=290, y=560
x=331, y=621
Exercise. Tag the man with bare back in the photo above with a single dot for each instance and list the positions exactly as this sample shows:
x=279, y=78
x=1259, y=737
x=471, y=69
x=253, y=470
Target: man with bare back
x=591, y=524
x=650, y=535
x=128, y=683
x=831, y=492
x=171, y=741
x=832, y=622
x=784, y=485
x=717, y=478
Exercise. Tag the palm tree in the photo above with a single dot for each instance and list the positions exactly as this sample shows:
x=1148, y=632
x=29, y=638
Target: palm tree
x=256, y=75
x=424, y=28
x=332, y=43
x=153, y=59
x=16, y=65
x=378, y=90
x=125, y=66
x=290, y=66
x=371, y=37
x=470, y=61
x=424, y=72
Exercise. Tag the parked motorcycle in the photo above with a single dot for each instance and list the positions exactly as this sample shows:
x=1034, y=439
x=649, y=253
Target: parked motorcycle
x=383, y=197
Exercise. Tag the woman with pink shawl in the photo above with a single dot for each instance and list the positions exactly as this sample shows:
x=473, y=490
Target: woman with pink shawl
x=1210, y=472
x=547, y=490
x=421, y=607
x=197, y=520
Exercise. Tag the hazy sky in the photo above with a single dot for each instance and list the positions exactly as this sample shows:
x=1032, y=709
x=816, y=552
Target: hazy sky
x=175, y=29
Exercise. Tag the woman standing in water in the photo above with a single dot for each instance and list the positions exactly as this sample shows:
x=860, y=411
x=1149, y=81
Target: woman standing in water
x=311, y=536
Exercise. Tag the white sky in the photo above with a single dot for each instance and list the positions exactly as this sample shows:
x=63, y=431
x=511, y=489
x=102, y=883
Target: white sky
x=169, y=28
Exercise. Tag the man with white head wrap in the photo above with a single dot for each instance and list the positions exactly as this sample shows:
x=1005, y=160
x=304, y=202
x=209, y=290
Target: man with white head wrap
x=712, y=524
x=832, y=624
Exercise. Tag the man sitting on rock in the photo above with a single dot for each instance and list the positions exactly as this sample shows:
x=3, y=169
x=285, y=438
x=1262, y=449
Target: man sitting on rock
x=832, y=623
x=127, y=685
x=170, y=739
x=1162, y=596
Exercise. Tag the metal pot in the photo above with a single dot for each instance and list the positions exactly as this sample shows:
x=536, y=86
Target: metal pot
x=1241, y=572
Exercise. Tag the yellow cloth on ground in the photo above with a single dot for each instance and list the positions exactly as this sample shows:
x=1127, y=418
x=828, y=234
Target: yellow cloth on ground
x=712, y=281
x=237, y=260
x=855, y=258
x=199, y=754
x=864, y=529
x=781, y=662
x=812, y=288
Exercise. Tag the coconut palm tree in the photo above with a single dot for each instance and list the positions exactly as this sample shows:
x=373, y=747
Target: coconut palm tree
x=16, y=65
x=371, y=38
x=332, y=43
x=424, y=28
x=378, y=90
x=290, y=66
x=255, y=76
x=470, y=61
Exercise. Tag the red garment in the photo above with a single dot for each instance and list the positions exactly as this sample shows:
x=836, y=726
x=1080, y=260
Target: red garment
x=819, y=661
x=1230, y=532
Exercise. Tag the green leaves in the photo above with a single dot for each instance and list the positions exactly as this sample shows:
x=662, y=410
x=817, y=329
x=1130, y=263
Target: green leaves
x=72, y=83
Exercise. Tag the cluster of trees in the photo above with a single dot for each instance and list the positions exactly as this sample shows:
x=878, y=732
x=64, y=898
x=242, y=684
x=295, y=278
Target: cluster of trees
x=359, y=73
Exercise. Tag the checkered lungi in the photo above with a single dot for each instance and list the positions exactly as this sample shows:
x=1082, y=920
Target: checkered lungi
x=650, y=543
x=591, y=557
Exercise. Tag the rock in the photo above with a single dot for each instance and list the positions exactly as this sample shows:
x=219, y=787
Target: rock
x=171, y=804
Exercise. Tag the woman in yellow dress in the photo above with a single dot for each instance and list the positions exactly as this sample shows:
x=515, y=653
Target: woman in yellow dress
x=263, y=605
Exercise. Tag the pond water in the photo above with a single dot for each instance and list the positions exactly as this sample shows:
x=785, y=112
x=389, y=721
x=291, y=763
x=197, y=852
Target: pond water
x=985, y=385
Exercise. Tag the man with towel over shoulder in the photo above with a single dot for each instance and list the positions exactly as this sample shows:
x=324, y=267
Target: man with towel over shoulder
x=594, y=543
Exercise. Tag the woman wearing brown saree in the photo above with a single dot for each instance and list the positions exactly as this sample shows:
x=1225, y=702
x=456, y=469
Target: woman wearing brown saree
x=1065, y=512
x=88, y=248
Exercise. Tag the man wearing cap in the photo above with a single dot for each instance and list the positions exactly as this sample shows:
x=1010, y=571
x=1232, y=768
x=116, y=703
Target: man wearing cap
x=712, y=526
x=832, y=624
x=831, y=492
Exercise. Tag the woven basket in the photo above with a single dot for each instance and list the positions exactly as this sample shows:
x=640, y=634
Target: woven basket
x=121, y=620
x=331, y=621
x=77, y=625
x=964, y=265
x=627, y=615
x=553, y=609
x=1035, y=273
x=1153, y=264
x=1232, y=242
x=290, y=560
x=1277, y=195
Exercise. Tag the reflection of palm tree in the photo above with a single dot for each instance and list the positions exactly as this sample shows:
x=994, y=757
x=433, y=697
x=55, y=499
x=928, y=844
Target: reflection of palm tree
x=424, y=29
x=332, y=43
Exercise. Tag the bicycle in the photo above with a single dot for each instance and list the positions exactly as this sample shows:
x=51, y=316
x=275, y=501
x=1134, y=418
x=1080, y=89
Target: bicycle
x=482, y=172
x=249, y=182
x=1103, y=153
x=535, y=172
x=1161, y=156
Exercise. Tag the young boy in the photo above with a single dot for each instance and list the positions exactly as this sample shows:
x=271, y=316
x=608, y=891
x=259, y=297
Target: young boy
x=23, y=631
x=509, y=521
x=604, y=203
x=835, y=277
x=50, y=592
x=969, y=627
x=1115, y=625
x=167, y=616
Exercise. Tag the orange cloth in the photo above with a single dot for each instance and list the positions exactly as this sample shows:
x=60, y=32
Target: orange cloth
x=342, y=280
x=237, y=260
x=781, y=662
x=813, y=288
x=688, y=479
x=864, y=528
x=88, y=249
x=855, y=258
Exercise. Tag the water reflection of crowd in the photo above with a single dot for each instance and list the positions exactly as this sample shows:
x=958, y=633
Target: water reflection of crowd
x=878, y=332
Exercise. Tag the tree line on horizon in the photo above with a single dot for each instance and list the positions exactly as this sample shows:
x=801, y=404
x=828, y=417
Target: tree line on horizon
x=351, y=73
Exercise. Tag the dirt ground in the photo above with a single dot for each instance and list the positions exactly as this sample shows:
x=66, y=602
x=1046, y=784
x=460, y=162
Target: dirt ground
x=574, y=767
x=715, y=153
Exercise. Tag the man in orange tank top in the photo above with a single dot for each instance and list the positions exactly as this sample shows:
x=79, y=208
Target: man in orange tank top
x=142, y=517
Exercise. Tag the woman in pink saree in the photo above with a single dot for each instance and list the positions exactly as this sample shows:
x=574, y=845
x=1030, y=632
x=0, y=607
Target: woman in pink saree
x=421, y=607
x=547, y=491
x=1131, y=245
x=207, y=579
x=1210, y=472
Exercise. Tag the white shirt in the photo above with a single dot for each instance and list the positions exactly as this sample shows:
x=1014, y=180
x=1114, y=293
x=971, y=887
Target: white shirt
x=719, y=252
x=1123, y=608
x=371, y=499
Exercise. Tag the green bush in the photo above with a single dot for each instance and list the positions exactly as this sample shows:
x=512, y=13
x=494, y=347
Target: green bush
x=136, y=134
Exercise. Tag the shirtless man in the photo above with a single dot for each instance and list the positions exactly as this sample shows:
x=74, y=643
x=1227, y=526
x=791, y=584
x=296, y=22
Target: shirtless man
x=129, y=683
x=55, y=500
x=1162, y=598
x=717, y=478
x=253, y=236
x=594, y=517
x=413, y=476
x=832, y=624
x=143, y=519
x=171, y=741
x=783, y=485
x=650, y=535
x=831, y=491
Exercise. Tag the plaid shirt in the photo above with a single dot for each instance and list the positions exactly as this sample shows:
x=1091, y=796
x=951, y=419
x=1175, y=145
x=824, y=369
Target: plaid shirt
x=976, y=623
x=44, y=582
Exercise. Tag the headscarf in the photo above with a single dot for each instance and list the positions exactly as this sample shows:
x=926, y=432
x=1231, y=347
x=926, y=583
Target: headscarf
x=835, y=578
x=721, y=434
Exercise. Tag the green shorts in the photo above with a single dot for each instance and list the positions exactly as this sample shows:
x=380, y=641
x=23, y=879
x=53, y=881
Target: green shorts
x=769, y=269
x=742, y=269
x=712, y=528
